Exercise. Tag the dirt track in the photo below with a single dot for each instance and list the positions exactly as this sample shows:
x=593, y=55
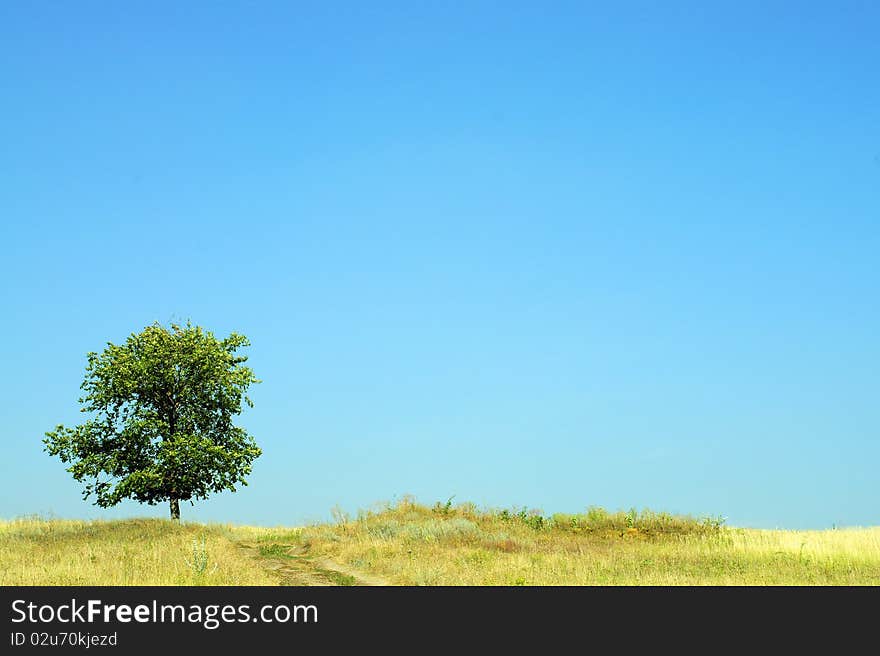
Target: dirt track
x=295, y=567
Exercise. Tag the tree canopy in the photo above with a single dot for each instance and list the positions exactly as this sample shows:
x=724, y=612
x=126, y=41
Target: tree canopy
x=162, y=409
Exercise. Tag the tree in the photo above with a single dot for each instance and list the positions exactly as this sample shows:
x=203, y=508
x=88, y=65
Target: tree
x=162, y=430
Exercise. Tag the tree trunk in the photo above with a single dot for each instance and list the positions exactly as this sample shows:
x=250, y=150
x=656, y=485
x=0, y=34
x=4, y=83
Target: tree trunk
x=175, y=510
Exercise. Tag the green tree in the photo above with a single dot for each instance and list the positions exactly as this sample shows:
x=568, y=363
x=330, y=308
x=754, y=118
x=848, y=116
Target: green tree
x=163, y=405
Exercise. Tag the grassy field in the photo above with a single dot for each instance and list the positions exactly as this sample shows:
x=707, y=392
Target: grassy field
x=411, y=544
x=130, y=552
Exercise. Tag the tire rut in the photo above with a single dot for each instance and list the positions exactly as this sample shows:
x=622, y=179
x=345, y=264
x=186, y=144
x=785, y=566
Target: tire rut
x=293, y=567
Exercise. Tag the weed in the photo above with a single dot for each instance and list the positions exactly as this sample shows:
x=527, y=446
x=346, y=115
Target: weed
x=274, y=550
x=340, y=516
x=444, y=509
x=198, y=562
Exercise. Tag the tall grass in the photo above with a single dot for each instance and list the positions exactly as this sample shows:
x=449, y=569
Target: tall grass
x=411, y=544
x=133, y=552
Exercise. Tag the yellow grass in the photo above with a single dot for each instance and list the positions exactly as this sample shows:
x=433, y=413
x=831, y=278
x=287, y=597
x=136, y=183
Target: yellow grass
x=131, y=552
x=412, y=545
x=409, y=544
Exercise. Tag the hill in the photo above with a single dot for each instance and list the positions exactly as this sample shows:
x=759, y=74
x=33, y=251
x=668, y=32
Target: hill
x=412, y=544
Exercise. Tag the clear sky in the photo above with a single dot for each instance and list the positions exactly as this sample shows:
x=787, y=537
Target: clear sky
x=541, y=254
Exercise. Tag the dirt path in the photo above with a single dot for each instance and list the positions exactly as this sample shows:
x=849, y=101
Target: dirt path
x=359, y=578
x=295, y=567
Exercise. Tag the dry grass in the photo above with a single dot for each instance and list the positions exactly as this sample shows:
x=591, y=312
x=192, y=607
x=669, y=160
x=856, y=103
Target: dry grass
x=413, y=545
x=132, y=552
x=410, y=544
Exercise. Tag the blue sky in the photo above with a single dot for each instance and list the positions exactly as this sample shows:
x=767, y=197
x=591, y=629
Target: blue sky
x=529, y=254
